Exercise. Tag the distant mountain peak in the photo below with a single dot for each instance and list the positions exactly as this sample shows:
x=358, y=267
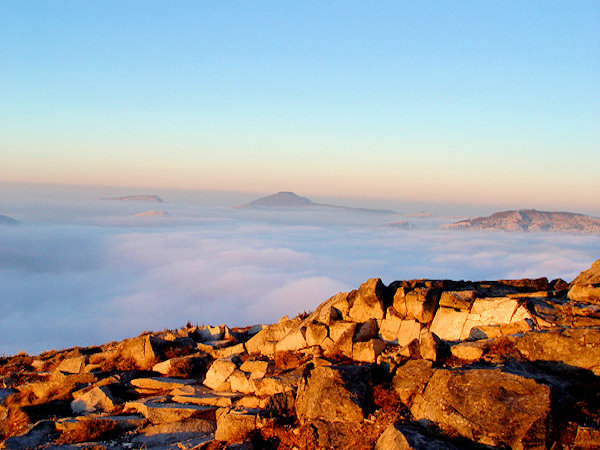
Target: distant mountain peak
x=6, y=220
x=531, y=220
x=283, y=199
x=290, y=200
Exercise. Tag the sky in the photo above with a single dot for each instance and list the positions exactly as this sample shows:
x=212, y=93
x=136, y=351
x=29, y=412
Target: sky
x=487, y=103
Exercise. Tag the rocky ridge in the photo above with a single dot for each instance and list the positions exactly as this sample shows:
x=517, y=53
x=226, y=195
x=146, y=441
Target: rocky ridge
x=412, y=365
x=531, y=220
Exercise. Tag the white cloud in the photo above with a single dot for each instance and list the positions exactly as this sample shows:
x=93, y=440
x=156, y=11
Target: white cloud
x=79, y=285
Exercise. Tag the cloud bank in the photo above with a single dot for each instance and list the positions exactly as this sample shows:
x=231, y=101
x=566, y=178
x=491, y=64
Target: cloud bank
x=84, y=284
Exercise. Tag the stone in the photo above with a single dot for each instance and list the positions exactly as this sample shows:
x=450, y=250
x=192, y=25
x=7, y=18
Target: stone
x=448, y=323
x=73, y=365
x=257, y=369
x=230, y=350
x=240, y=382
x=142, y=351
x=429, y=345
x=585, y=287
x=219, y=372
x=487, y=406
x=367, y=351
x=368, y=301
x=578, y=347
x=235, y=425
x=388, y=330
x=164, y=411
x=160, y=384
x=187, y=434
x=333, y=394
x=468, y=351
x=342, y=335
x=458, y=299
x=207, y=333
x=410, y=437
x=335, y=308
x=316, y=333
x=201, y=395
x=489, y=311
x=293, y=341
x=99, y=398
x=421, y=304
x=411, y=378
x=408, y=332
x=264, y=341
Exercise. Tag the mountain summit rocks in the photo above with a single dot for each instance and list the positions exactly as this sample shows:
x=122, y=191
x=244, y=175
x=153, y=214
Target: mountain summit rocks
x=414, y=364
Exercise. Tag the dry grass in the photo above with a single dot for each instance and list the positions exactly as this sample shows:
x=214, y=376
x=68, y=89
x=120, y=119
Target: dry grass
x=87, y=430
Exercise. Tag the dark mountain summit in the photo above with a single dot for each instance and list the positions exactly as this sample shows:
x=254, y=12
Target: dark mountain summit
x=289, y=200
x=280, y=200
x=5, y=220
x=531, y=220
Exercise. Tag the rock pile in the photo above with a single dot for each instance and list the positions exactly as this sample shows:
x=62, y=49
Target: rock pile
x=416, y=364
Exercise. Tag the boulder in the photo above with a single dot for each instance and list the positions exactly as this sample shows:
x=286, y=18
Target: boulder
x=293, y=341
x=367, y=351
x=316, y=333
x=468, y=351
x=158, y=410
x=264, y=341
x=255, y=368
x=219, y=372
x=419, y=304
x=342, y=335
x=99, y=398
x=235, y=425
x=489, y=311
x=578, y=347
x=72, y=365
x=448, y=323
x=487, y=406
x=368, y=301
x=429, y=345
x=142, y=351
x=333, y=394
x=188, y=434
x=586, y=286
x=410, y=379
x=159, y=385
x=458, y=299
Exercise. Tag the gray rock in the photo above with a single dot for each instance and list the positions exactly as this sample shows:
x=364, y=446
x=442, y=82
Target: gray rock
x=333, y=394
x=487, y=406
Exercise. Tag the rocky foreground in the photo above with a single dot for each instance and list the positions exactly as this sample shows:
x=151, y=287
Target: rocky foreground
x=417, y=364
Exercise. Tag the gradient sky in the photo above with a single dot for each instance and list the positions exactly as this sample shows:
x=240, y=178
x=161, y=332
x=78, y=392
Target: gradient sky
x=467, y=101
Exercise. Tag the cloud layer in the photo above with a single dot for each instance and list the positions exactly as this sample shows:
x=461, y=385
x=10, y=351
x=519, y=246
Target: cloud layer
x=65, y=285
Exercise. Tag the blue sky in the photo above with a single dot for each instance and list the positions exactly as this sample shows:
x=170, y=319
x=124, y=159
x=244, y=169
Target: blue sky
x=459, y=101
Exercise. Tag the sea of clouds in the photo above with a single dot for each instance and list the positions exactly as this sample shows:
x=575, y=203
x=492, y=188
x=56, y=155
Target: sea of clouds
x=84, y=273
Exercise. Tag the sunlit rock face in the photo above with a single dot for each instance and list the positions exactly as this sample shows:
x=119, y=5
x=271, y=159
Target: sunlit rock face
x=531, y=220
x=426, y=363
